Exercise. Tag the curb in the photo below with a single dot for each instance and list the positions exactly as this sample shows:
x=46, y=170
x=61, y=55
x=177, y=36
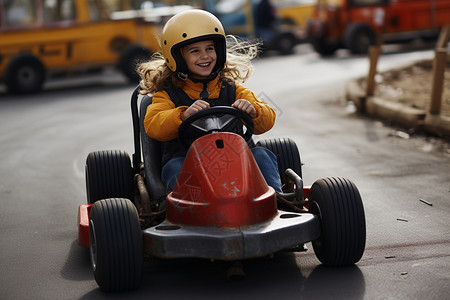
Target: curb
x=396, y=112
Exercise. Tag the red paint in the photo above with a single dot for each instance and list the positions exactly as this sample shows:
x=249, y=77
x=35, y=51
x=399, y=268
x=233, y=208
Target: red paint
x=83, y=224
x=220, y=185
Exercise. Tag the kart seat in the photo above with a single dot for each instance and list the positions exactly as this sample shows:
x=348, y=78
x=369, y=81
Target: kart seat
x=151, y=152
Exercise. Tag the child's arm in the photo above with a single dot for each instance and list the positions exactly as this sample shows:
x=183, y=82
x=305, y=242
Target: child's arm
x=265, y=115
x=162, y=118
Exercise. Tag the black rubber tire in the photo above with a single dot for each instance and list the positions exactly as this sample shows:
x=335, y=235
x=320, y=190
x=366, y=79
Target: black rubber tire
x=24, y=74
x=343, y=226
x=323, y=47
x=130, y=60
x=108, y=175
x=359, y=37
x=285, y=43
x=115, y=245
x=287, y=154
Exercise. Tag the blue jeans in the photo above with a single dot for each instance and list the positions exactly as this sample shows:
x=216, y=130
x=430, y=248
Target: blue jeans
x=266, y=160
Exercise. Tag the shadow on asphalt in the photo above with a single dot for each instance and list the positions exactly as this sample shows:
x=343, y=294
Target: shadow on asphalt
x=266, y=278
x=77, y=266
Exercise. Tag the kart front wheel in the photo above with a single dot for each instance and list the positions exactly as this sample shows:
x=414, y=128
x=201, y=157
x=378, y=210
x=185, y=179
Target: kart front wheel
x=343, y=226
x=115, y=245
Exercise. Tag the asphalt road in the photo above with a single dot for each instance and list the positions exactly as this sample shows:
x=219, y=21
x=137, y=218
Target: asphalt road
x=45, y=138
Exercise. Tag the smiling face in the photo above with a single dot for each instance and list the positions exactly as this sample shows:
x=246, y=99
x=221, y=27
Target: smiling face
x=200, y=58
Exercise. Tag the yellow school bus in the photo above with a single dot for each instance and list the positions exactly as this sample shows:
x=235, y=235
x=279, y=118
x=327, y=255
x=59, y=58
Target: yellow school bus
x=41, y=38
x=299, y=11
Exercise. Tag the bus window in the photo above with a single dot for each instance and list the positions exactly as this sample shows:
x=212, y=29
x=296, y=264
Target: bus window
x=20, y=13
x=58, y=10
x=98, y=11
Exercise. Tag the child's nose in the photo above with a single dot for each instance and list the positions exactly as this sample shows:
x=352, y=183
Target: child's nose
x=204, y=54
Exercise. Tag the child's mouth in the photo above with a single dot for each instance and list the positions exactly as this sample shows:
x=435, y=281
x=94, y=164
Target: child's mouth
x=204, y=65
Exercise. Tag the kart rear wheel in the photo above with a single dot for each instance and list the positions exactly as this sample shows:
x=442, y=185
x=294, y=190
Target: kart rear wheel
x=108, y=175
x=115, y=245
x=343, y=226
x=287, y=153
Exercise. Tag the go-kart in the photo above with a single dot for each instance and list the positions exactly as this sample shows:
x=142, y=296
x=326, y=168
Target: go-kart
x=221, y=208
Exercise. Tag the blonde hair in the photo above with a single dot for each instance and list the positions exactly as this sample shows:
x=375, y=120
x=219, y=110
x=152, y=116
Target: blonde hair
x=156, y=75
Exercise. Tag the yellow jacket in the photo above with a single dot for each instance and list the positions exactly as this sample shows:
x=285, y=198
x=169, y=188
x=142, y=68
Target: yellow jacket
x=162, y=118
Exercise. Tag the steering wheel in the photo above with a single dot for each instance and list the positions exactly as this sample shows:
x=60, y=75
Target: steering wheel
x=215, y=119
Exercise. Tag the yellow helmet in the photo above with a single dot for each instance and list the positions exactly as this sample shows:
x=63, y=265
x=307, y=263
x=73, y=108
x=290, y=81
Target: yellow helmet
x=189, y=27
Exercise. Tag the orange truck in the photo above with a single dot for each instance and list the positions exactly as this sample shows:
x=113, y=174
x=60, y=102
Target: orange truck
x=42, y=38
x=357, y=24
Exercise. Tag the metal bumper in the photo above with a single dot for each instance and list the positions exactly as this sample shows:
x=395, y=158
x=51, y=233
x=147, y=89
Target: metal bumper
x=286, y=230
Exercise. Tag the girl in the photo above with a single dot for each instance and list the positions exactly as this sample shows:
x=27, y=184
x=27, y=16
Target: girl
x=197, y=70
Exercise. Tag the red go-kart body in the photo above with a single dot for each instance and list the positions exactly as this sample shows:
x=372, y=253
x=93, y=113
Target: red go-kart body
x=220, y=185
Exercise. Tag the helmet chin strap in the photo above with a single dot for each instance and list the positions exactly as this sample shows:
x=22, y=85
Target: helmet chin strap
x=182, y=76
x=204, y=94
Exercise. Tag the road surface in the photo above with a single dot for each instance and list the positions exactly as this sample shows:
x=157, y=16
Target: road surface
x=45, y=138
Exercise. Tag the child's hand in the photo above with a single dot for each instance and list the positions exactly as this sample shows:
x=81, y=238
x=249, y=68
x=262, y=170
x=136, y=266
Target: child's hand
x=246, y=107
x=195, y=107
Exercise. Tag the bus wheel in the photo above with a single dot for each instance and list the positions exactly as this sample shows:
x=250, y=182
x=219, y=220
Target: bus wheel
x=130, y=60
x=25, y=74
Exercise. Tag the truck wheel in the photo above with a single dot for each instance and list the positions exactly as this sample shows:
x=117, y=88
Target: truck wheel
x=287, y=153
x=108, y=175
x=115, y=245
x=130, y=60
x=343, y=226
x=324, y=47
x=25, y=74
x=358, y=38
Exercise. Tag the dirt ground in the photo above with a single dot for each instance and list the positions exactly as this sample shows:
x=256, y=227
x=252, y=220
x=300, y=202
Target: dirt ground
x=412, y=86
